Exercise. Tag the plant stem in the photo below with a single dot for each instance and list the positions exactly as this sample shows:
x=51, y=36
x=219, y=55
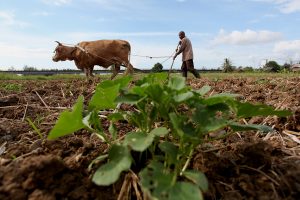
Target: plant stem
x=187, y=161
x=99, y=134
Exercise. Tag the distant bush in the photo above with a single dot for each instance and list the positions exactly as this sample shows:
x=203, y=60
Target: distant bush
x=28, y=68
x=157, y=68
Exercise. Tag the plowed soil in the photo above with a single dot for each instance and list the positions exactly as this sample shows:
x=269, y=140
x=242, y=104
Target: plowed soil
x=246, y=165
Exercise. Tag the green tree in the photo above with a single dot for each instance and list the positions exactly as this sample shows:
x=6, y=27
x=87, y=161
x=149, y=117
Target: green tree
x=272, y=66
x=157, y=68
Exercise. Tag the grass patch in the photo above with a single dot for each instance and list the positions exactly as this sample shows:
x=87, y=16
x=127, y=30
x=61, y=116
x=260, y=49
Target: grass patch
x=11, y=87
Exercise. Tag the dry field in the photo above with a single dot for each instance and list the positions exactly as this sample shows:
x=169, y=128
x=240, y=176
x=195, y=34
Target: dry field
x=247, y=165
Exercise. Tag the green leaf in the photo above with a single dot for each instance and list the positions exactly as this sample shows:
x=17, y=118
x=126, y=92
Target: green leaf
x=122, y=82
x=205, y=89
x=216, y=124
x=183, y=96
x=104, y=98
x=170, y=150
x=161, y=131
x=153, y=78
x=138, y=90
x=205, y=117
x=112, y=130
x=69, y=121
x=160, y=77
x=138, y=141
x=119, y=160
x=156, y=179
x=198, y=178
x=177, y=83
x=184, y=191
x=158, y=183
x=116, y=117
x=165, y=105
x=245, y=110
x=245, y=127
x=190, y=133
x=128, y=98
x=221, y=98
x=176, y=123
x=155, y=92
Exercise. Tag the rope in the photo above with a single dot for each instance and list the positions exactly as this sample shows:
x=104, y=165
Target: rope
x=168, y=57
x=150, y=56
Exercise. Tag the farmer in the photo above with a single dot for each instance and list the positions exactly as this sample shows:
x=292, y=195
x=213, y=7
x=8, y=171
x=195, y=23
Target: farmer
x=187, y=55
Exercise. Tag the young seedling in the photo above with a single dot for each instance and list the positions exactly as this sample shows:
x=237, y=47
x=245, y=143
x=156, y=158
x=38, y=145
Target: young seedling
x=36, y=130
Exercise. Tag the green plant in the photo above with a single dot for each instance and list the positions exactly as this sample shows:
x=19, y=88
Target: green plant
x=171, y=120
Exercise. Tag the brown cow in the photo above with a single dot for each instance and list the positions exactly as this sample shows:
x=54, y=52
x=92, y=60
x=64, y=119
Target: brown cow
x=104, y=53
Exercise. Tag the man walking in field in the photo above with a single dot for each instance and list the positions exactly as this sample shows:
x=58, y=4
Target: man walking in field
x=187, y=55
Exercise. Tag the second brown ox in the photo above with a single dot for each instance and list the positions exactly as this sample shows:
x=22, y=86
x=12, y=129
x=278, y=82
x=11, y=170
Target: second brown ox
x=104, y=53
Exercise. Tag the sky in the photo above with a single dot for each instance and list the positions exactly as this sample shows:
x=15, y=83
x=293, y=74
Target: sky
x=248, y=32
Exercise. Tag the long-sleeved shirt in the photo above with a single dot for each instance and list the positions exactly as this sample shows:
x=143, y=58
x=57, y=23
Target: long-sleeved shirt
x=186, y=49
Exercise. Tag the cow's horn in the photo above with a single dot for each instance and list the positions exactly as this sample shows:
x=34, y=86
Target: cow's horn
x=58, y=43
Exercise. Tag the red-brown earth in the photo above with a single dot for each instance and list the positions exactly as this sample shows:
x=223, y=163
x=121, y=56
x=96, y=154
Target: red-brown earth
x=246, y=165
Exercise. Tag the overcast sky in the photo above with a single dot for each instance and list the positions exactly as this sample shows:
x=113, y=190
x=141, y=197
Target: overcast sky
x=246, y=31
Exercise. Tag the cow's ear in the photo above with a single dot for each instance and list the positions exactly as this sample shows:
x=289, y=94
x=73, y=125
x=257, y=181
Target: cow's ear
x=58, y=43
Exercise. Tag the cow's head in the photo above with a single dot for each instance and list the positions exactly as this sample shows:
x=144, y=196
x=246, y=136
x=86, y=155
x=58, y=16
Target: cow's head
x=63, y=52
